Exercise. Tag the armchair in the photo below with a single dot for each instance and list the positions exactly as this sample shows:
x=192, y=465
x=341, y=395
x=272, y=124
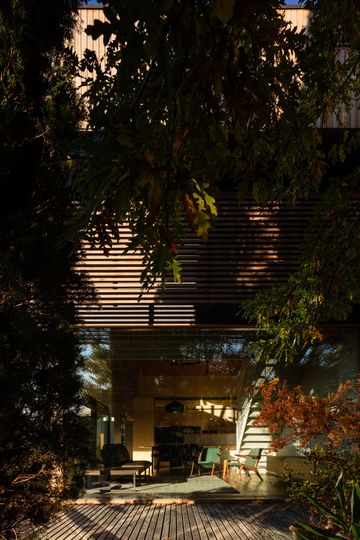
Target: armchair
x=250, y=464
x=209, y=458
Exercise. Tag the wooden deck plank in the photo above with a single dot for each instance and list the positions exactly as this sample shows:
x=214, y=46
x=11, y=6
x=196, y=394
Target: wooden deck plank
x=130, y=523
x=144, y=531
x=125, y=514
x=210, y=525
x=253, y=520
x=139, y=523
x=213, y=521
x=186, y=523
x=68, y=525
x=94, y=525
x=157, y=533
x=286, y=515
x=179, y=522
x=172, y=522
x=166, y=523
x=108, y=526
x=260, y=517
x=224, y=523
x=194, y=519
x=272, y=522
x=57, y=523
x=281, y=520
x=200, y=521
x=238, y=518
x=150, y=529
x=238, y=523
x=186, y=529
x=72, y=520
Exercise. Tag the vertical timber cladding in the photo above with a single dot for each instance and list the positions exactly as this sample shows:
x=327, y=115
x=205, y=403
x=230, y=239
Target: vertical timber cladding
x=249, y=249
x=297, y=16
x=82, y=41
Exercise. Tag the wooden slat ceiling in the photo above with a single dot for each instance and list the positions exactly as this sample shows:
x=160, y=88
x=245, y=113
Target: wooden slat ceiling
x=249, y=249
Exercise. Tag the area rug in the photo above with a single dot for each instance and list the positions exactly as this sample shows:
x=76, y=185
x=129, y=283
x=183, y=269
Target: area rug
x=170, y=487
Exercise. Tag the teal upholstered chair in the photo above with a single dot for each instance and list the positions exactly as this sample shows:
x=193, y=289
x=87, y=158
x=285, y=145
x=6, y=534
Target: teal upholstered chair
x=209, y=458
x=250, y=464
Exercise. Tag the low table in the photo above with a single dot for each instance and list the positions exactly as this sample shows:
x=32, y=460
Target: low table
x=126, y=471
x=98, y=474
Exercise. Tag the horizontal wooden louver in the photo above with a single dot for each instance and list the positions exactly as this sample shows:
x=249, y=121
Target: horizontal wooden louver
x=250, y=248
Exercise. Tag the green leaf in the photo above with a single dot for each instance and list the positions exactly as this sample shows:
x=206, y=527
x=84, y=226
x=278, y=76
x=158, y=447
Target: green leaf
x=355, y=504
x=211, y=202
x=315, y=530
x=340, y=491
x=261, y=191
x=324, y=510
x=176, y=270
x=109, y=14
x=199, y=200
x=204, y=225
x=355, y=529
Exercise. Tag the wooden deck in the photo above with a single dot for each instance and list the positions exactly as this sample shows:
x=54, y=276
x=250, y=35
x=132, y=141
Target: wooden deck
x=173, y=521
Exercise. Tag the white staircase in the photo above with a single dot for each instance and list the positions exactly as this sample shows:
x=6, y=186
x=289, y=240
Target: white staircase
x=248, y=435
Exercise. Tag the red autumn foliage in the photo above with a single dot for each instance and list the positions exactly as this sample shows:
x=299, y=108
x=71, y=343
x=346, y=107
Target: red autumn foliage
x=293, y=416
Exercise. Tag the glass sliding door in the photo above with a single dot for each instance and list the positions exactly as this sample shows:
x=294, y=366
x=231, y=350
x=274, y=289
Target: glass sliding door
x=166, y=386
x=163, y=394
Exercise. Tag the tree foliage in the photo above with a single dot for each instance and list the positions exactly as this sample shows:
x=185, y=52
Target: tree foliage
x=41, y=433
x=327, y=430
x=292, y=415
x=195, y=97
x=326, y=285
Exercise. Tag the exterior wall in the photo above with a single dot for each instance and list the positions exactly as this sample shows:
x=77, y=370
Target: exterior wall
x=250, y=248
x=216, y=272
x=224, y=271
x=343, y=118
x=83, y=41
x=298, y=17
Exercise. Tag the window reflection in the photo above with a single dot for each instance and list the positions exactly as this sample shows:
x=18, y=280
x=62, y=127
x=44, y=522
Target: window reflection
x=152, y=387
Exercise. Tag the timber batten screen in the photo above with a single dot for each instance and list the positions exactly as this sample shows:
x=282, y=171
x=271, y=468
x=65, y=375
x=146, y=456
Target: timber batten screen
x=249, y=249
